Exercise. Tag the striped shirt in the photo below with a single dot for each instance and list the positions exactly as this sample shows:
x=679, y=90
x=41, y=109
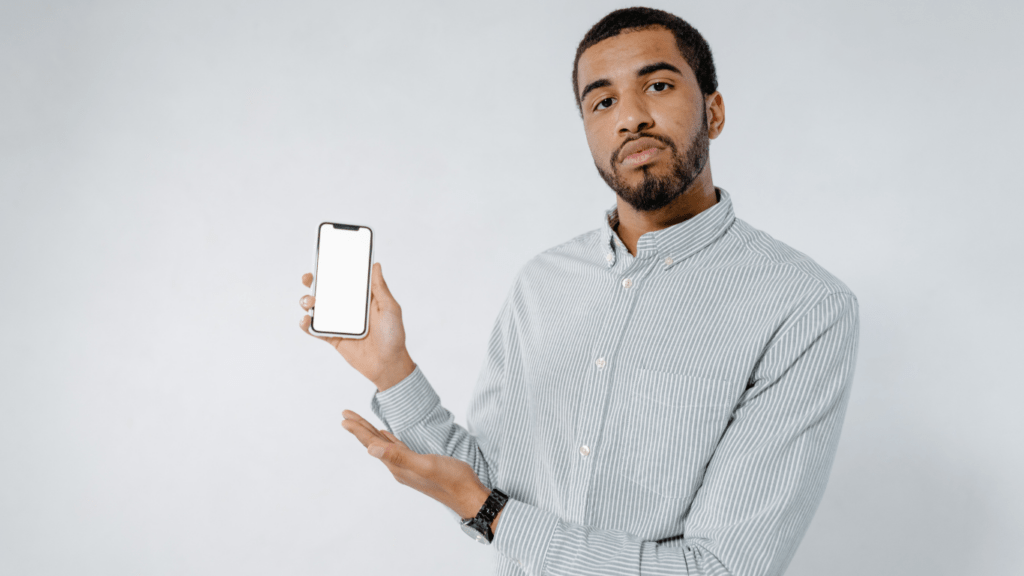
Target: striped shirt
x=673, y=412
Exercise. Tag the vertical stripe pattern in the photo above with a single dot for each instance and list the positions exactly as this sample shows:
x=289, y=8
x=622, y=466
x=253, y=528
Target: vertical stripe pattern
x=673, y=412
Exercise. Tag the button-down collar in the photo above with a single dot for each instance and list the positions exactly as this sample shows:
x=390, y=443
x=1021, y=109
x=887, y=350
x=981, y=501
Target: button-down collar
x=676, y=243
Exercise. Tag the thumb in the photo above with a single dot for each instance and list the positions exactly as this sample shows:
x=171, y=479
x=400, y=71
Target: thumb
x=381, y=284
x=389, y=454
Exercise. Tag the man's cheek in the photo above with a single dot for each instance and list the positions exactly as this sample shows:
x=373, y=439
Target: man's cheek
x=601, y=159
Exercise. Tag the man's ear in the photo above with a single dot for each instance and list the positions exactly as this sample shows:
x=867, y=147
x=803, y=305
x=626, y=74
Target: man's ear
x=716, y=114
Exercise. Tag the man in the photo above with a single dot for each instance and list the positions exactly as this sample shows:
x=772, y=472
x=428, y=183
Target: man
x=662, y=395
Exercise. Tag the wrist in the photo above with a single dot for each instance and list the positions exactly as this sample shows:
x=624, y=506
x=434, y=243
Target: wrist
x=483, y=523
x=395, y=372
x=472, y=501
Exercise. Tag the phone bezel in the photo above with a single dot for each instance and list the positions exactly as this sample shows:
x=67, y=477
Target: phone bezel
x=369, y=284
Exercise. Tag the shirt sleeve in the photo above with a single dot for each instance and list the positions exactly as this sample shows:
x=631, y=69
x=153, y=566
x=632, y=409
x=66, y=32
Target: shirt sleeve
x=761, y=486
x=412, y=410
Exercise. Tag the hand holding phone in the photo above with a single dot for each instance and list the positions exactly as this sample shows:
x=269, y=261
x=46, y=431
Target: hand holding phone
x=379, y=352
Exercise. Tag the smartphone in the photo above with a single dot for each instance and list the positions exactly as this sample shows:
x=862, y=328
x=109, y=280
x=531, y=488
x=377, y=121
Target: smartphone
x=341, y=281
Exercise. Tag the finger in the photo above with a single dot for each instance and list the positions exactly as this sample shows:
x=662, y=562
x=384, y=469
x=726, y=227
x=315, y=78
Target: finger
x=391, y=454
x=372, y=430
x=391, y=436
x=307, y=279
x=351, y=416
x=307, y=302
x=304, y=325
x=361, y=433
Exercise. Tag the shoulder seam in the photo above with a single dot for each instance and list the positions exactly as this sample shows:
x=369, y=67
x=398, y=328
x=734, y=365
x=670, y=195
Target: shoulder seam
x=817, y=302
x=822, y=283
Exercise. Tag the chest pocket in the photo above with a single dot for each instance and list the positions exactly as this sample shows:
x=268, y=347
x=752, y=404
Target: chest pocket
x=664, y=427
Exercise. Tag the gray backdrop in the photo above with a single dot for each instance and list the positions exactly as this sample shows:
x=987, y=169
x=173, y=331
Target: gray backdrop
x=163, y=167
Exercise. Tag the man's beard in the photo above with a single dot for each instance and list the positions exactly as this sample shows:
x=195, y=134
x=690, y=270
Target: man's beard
x=655, y=192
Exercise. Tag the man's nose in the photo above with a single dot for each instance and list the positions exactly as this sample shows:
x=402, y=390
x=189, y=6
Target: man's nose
x=633, y=115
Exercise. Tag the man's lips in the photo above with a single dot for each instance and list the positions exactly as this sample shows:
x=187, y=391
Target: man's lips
x=640, y=157
x=640, y=151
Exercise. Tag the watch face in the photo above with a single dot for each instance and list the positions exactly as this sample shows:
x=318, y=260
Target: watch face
x=474, y=533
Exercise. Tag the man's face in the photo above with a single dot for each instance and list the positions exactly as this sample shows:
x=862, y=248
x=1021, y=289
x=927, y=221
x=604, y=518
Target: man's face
x=644, y=116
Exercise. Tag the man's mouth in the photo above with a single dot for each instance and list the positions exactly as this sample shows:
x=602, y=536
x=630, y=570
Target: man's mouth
x=640, y=151
x=641, y=157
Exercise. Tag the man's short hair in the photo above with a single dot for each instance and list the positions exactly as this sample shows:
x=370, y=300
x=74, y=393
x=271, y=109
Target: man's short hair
x=694, y=48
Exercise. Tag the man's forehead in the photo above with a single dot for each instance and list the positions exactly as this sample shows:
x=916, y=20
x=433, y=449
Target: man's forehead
x=627, y=52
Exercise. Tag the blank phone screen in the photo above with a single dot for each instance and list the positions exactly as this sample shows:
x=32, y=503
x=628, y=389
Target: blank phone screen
x=342, y=279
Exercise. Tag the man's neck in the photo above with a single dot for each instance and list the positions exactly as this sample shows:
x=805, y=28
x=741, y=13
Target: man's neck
x=698, y=197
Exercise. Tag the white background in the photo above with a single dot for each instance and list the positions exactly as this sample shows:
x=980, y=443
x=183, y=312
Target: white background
x=164, y=165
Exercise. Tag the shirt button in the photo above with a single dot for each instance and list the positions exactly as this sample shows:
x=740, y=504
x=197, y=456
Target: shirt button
x=668, y=261
x=627, y=283
x=609, y=256
x=584, y=450
x=600, y=362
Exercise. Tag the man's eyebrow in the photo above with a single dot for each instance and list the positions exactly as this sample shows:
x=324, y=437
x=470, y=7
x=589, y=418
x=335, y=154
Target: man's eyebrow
x=594, y=86
x=650, y=68
x=655, y=67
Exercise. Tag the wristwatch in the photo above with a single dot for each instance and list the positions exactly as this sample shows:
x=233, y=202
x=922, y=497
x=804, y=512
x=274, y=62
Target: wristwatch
x=479, y=527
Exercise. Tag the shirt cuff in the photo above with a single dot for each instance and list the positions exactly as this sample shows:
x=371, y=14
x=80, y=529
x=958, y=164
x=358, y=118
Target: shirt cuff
x=405, y=404
x=524, y=533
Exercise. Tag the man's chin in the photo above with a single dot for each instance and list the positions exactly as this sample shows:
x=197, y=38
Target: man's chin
x=644, y=202
x=636, y=174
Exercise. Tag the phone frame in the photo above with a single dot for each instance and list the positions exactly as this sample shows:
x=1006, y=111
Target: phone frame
x=369, y=284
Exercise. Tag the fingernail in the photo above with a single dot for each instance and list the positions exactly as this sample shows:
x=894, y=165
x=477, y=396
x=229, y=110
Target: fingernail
x=376, y=450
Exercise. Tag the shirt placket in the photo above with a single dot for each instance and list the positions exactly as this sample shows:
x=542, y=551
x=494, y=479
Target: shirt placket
x=590, y=429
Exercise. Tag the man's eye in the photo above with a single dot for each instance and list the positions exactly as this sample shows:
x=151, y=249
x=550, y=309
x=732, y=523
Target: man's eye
x=659, y=86
x=604, y=103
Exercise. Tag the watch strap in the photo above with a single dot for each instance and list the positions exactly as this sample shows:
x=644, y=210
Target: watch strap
x=494, y=503
x=479, y=526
